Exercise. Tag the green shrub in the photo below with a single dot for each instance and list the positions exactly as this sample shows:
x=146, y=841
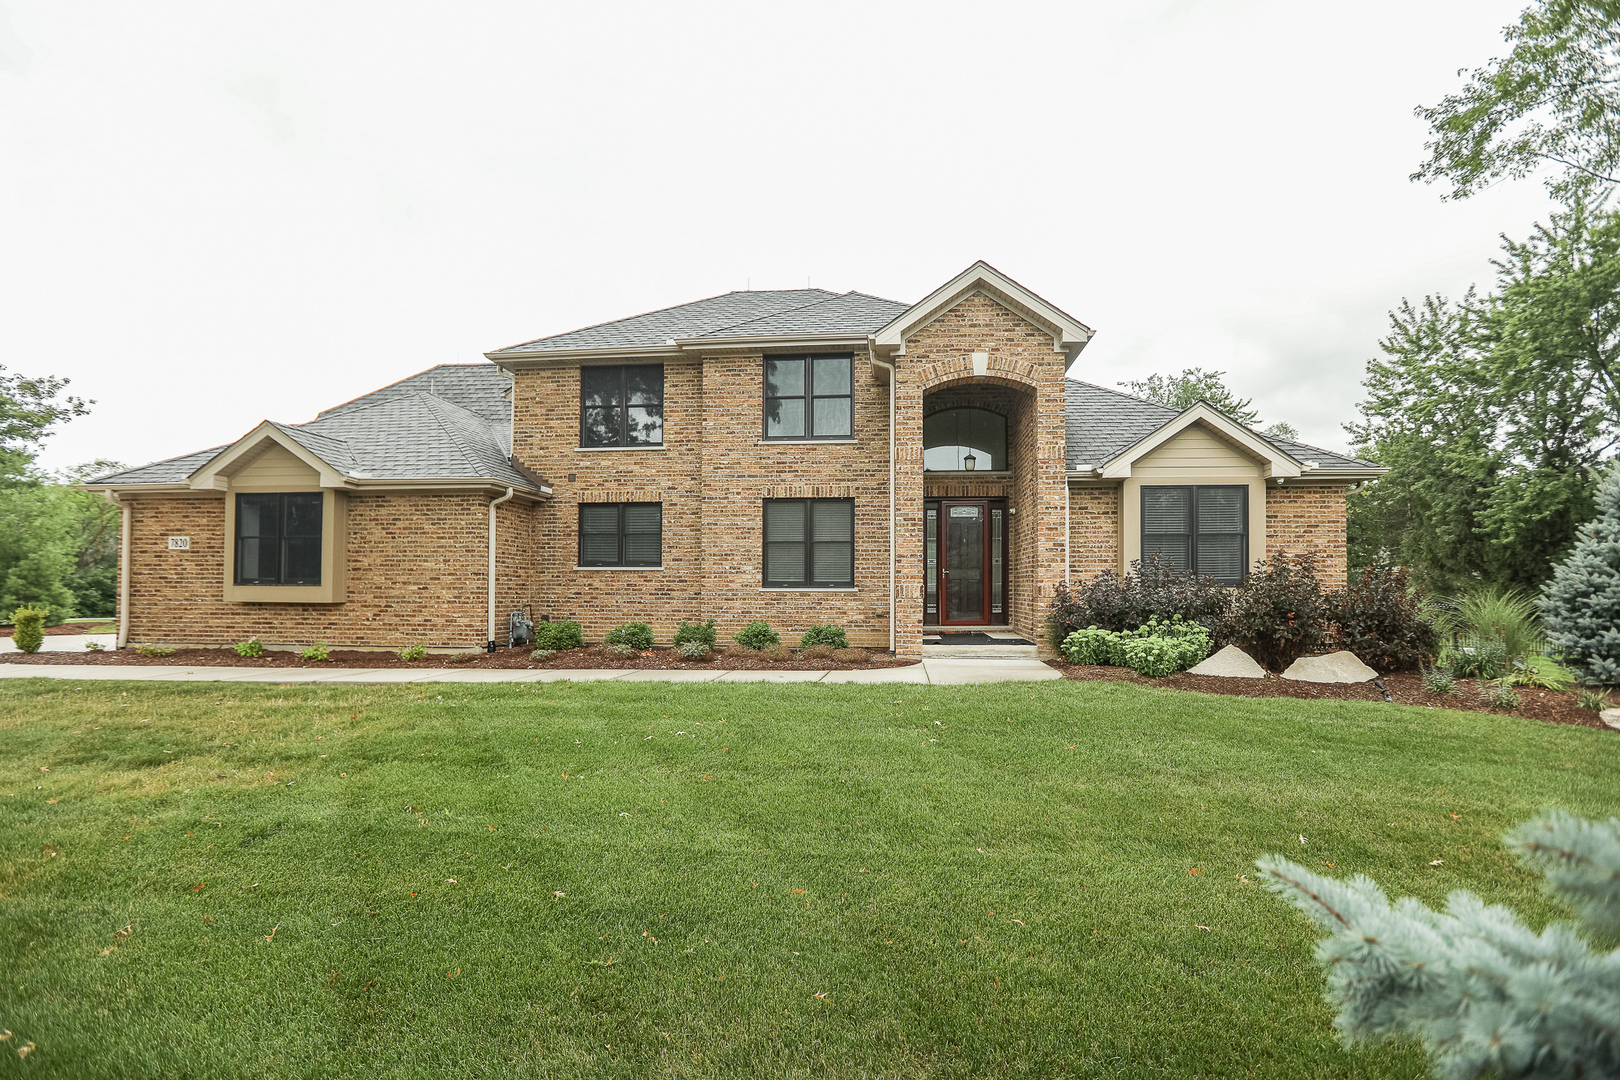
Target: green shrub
x=558, y=636
x=1152, y=590
x=1506, y=616
x=154, y=652
x=250, y=648
x=28, y=628
x=1477, y=660
x=1191, y=638
x=824, y=634
x=1154, y=657
x=700, y=633
x=1437, y=680
x=1595, y=700
x=1581, y=604
x=1540, y=672
x=413, y=652
x=1279, y=613
x=317, y=651
x=637, y=635
x=1380, y=618
x=1090, y=646
x=1498, y=693
x=757, y=635
x=694, y=650
x=542, y=654
x=620, y=650
x=94, y=646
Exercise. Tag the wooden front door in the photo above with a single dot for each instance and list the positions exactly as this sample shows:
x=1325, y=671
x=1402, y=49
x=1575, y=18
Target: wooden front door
x=965, y=573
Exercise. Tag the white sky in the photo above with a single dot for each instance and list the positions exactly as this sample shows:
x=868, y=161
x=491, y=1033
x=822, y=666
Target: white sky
x=217, y=213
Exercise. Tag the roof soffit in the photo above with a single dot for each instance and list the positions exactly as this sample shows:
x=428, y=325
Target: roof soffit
x=1069, y=335
x=1273, y=462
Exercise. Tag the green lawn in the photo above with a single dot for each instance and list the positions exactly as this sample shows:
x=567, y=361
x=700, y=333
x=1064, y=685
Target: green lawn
x=633, y=880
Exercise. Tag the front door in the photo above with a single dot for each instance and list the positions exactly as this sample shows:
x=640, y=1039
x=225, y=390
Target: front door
x=966, y=562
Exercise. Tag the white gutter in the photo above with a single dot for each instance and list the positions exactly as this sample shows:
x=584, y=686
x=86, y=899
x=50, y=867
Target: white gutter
x=123, y=570
x=892, y=376
x=1068, y=532
x=492, y=507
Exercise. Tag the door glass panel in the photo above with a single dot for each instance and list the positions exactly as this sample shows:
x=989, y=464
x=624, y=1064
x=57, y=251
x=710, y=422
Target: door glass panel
x=931, y=570
x=995, y=562
x=964, y=563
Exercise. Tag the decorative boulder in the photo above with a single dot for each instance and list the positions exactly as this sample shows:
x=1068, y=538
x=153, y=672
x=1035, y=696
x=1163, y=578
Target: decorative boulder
x=1335, y=667
x=1230, y=663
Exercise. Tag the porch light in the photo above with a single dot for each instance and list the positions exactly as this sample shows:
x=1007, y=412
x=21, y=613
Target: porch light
x=968, y=461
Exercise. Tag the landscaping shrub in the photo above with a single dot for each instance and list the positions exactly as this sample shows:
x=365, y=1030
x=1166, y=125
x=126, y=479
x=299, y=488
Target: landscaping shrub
x=694, y=650
x=637, y=635
x=757, y=635
x=558, y=636
x=1498, y=693
x=620, y=650
x=1492, y=614
x=700, y=633
x=1581, y=604
x=1595, y=700
x=1154, y=657
x=154, y=652
x=1381, y=619
x=94, y=646
x=1176, y=645
x=317, y=651
x=1477, y=660
x=1279, y=614
x=1092, y=646
x=250, y=648
x=851, y=656
x=28, y=628
x=816, y=652
x=413, y=652
x=1540, y=672
x=1437, y=680
x=1152, y=590
x=542, y=654
x=823, y=634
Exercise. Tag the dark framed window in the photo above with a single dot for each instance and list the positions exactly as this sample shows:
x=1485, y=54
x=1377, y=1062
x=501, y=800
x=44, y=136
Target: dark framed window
x=621, y=534
x=1204, y=528
x=809, y=543
x=809, y=397
x=965, y=439
x=278, y=538
x=621, y=405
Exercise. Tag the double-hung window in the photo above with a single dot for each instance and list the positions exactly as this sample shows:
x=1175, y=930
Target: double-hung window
x=621, y=534
x=278, y=538
x=621, y=405
x=1202, y=528
x=809, y=397
x=809, y=543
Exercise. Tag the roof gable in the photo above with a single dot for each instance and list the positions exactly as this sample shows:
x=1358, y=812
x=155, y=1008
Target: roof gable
x=1069, y=335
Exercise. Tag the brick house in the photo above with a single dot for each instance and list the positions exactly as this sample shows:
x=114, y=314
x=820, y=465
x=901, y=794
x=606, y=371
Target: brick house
x=796, y=456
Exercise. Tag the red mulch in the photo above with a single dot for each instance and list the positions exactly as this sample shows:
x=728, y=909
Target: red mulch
x=1406, y=688
x=727, y=659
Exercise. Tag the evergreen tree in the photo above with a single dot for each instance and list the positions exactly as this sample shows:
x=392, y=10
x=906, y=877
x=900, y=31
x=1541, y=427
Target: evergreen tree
x=1482, y=993
x=1580, y=607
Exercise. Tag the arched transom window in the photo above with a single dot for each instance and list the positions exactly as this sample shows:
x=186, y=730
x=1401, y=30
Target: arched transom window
x=965, y=440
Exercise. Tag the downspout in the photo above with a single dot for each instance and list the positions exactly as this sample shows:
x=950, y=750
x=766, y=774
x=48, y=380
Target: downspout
x=1068, y=527
x=892, y=376
x=123, y=570
x=493, y=504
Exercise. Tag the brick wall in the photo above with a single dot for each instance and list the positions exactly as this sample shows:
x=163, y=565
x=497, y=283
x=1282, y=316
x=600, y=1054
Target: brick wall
x=1309, y=517
x=1093, y=531
x=417, y=567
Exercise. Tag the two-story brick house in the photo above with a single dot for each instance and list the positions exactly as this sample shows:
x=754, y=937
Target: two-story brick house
x=796, y=456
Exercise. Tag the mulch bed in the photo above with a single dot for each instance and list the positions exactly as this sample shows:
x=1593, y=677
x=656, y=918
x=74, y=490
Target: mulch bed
x=6, y=629
x=726, y=659
x=1406, y=688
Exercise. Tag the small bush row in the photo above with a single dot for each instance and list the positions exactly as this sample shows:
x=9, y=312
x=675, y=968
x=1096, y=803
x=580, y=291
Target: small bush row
x=1158, y=648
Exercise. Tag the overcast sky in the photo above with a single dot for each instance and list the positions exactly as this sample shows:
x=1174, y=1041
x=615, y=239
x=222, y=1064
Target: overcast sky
x=217, y=213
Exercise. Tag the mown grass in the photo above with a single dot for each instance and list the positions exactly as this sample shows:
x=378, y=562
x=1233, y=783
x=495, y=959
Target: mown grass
x=648, y=880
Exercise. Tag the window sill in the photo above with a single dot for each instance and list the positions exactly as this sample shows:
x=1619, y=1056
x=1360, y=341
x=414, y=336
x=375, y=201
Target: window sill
x=834, y=440
x=609, y=449
x=618, y=568
x=958, y=474
x=804, y=589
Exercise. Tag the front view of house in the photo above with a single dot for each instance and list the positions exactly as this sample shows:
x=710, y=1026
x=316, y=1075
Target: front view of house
x=796, y=456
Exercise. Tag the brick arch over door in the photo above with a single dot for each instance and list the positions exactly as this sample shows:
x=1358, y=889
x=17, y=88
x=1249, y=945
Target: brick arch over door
x=1009, y=373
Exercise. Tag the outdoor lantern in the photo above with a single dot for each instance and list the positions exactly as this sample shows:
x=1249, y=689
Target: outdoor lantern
x=968, y=461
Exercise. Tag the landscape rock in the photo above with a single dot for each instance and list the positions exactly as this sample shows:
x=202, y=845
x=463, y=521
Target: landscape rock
x=1335, y=667
x=1230, y=663
x=1611, y=717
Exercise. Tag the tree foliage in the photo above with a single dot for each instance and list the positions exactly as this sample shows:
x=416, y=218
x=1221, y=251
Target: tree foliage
x=1580, y=607
x=1495, y=414
x=1194, y=385
x=1553, y=100
x=29, y=408
x=1484, y=994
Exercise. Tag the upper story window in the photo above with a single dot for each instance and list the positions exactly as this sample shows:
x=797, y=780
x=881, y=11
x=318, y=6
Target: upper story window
x=278, y=538
x=965, y=440
x=621, y=405
x=809, y=397
x=1202, y=528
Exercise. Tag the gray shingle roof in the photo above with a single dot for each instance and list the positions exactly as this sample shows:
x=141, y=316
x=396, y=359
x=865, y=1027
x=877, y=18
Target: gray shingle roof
x=1099, y=423
x=451, y=422
x=785, y=311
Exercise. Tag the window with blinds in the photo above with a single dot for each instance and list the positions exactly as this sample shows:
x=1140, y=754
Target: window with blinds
x=809, y=543
x=1201, y=528
x=621, y=534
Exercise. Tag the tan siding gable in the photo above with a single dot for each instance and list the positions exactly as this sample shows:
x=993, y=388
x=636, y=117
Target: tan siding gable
x=276, y=469
x=1194, y=453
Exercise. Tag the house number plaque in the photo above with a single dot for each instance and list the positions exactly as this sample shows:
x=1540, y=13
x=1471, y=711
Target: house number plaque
x=179, y=543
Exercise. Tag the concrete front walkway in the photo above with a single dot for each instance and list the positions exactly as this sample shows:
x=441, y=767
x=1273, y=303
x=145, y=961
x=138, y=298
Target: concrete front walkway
x=948, y=672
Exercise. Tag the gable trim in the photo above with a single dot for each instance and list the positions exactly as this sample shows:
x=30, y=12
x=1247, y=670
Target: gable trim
x=216, y=474
x=1273, y=462
x=1069, y=335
